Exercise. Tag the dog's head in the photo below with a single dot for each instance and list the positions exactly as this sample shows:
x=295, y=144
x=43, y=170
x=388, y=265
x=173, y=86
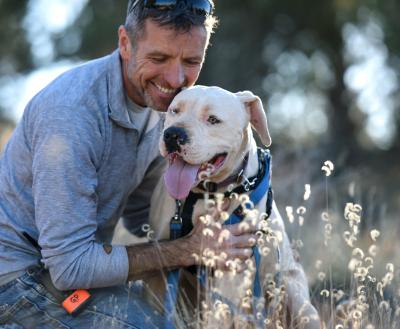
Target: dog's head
x=209, y=129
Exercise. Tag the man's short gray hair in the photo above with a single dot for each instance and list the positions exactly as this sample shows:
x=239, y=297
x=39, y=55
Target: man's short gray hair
x=180, y=17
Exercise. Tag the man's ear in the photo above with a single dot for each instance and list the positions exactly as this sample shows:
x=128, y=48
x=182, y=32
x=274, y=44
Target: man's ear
x=124, y=43
x=258, y=119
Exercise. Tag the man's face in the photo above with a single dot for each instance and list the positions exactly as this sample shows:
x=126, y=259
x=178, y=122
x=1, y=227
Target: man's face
x=162, y=62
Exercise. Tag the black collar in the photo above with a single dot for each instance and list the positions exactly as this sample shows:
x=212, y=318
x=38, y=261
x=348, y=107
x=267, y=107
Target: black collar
x=245, y=184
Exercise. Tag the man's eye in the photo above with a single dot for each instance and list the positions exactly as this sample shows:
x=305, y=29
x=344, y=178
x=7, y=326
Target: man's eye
x=193, y=62
x=158, y=59
x=213, y=120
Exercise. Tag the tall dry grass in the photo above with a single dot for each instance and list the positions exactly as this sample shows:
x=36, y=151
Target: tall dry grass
x=350, y=262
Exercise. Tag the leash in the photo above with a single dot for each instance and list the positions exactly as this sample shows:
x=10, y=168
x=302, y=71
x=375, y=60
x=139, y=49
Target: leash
x=181, y=224
x=172, y=286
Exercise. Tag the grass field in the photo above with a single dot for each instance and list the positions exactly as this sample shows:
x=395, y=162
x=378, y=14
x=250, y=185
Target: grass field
x=351, y=262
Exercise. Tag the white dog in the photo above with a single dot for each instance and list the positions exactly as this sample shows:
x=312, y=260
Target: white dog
x=208, y=140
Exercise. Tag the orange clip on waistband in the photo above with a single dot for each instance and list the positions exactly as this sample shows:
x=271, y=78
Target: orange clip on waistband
x=74, y=302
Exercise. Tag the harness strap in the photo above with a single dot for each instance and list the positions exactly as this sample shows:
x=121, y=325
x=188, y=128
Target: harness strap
x=171, y=291
x=255, y=197
x=258, y=193
x=188, y=210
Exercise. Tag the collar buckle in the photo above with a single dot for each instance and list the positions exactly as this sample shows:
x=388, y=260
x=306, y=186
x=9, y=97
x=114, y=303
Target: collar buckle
x=247, y=185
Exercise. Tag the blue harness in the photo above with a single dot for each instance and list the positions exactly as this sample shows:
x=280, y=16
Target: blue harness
x=261, y=187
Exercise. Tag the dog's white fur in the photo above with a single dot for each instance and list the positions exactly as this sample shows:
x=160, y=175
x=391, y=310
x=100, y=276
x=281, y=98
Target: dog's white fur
x=237, y=112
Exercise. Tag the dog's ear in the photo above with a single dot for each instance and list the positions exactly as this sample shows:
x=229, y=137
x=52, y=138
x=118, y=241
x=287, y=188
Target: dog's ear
x=258, y=119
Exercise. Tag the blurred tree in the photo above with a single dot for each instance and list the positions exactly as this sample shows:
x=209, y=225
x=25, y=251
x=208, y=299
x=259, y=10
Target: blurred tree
x=96, y=28
x=15, y=50
x=269, y=28
x=252, y=37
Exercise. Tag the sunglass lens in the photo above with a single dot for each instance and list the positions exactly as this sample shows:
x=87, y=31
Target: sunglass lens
x=201, y=5
x=159, y=3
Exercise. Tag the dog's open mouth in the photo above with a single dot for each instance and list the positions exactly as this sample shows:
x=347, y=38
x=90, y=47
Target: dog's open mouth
x=181, y=176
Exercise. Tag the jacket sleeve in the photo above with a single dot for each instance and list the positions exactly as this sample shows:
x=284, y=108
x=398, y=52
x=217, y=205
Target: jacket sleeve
x=67, y=146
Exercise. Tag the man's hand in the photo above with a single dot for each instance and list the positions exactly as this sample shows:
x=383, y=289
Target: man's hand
x=209, y=243
x=216, y=245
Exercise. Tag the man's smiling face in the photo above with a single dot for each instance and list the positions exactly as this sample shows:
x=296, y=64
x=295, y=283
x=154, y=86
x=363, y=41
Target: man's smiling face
x=162, y=62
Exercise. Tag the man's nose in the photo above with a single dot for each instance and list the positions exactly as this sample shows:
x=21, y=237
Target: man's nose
x=175, y=75
x=174, y=137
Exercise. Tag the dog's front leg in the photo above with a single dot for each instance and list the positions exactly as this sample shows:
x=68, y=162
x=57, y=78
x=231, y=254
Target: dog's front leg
x=162, y=209
x=305, y=316
x=300, y=311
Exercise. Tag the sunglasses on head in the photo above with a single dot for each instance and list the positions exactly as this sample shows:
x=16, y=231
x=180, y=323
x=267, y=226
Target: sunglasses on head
x=201, y=7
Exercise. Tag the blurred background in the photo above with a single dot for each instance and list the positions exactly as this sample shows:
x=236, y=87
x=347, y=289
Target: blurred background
x=328, y=75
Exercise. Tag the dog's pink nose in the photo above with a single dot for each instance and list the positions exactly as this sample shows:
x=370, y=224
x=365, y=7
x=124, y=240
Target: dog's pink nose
x=174, y=137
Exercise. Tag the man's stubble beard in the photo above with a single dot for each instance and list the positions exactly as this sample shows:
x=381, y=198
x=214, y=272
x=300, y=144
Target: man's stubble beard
x=150, y=103
x=146, y=96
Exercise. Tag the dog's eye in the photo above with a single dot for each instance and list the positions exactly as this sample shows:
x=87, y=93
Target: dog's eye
x=213, y=120
x=174, y=111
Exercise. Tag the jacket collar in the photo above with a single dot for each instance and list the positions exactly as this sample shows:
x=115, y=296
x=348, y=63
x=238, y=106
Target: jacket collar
x=117, y=102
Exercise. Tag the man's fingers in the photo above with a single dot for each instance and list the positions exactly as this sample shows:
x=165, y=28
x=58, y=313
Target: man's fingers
x=225, y=204
x=241, y=253
x=240, y=241
x=235, y=258
x=242, y=228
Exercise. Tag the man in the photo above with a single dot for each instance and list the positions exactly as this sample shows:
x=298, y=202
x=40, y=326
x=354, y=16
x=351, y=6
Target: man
x=84, y=154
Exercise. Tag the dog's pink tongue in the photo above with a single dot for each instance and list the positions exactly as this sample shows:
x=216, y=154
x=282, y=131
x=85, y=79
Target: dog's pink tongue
x=180, y=177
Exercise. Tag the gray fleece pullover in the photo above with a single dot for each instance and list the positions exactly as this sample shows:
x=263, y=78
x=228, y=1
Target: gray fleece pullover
x=81, y=157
